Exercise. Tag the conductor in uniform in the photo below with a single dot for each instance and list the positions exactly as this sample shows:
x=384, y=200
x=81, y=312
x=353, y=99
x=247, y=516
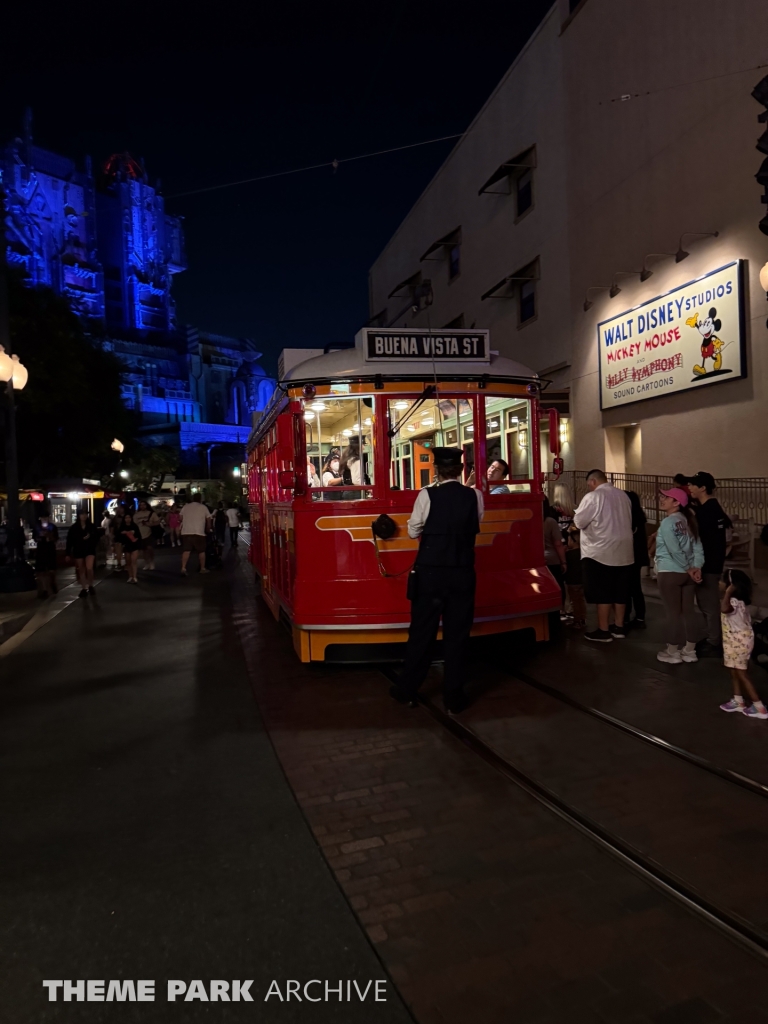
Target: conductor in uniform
x=446, y=516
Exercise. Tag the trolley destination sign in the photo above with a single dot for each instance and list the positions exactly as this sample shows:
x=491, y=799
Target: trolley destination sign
x=425, y=346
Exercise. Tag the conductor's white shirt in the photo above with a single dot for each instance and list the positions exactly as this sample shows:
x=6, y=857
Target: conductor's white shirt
x=421, y=508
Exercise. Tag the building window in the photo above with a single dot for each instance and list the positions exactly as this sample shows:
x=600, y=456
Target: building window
x=520, y=286
x=527, y=301
x=454, y=262
x=524, y=192
x=514, y=177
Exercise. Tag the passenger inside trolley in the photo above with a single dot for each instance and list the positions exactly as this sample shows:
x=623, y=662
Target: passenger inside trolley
x=331, y=474
x=339, y=435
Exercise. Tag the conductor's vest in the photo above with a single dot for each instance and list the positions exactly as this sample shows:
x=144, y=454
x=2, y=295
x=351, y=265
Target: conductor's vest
x=448, y=538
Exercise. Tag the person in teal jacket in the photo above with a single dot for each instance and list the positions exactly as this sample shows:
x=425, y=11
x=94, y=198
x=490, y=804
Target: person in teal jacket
x=679, y=560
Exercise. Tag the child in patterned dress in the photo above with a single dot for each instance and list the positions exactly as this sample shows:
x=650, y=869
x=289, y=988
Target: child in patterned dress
x=738, y=641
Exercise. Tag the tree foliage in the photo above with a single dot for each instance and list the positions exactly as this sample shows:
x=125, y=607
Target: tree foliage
x=71, y=409
x=147, y=469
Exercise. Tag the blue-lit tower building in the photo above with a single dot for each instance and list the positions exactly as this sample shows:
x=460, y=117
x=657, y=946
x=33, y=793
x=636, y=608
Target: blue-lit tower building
x=50, y=225
x=140, y=247
x=107, y=244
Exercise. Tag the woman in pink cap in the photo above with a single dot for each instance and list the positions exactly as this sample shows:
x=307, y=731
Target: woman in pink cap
x=679, y=558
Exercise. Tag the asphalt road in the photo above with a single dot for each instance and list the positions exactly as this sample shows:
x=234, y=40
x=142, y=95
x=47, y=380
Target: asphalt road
x=149, y=831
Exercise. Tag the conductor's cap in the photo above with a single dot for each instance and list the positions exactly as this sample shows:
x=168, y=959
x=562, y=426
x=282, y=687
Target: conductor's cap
x=449, y=457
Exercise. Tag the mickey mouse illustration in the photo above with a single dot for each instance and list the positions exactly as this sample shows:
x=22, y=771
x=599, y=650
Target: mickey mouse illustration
x=711, y=345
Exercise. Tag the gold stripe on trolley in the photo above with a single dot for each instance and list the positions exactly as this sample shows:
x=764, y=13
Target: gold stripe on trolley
x=359, y=527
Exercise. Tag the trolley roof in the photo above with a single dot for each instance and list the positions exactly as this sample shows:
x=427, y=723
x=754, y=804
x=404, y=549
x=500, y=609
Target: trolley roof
x=349, y=364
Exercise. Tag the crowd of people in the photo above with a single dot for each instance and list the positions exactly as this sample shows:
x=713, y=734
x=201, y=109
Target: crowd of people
x=128, y=532
x=597, y=551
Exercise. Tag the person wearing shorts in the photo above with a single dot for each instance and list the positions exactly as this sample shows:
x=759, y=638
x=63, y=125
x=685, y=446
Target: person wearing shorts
x=604, y=517
x=195, y=523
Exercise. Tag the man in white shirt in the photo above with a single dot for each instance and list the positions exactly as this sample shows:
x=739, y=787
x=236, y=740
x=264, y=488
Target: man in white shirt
x=604, y=517
x=195, y=519
x=233, y=522
x=447, y=518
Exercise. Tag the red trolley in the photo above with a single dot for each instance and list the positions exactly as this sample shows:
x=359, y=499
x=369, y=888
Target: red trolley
x=381, y=407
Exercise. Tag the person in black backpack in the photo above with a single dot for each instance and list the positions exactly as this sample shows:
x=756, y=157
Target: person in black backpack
x=713, y=524
x=636, y=598
x=446, y=516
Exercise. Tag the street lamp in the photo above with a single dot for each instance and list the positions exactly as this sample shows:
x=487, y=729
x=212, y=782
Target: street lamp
x=19, y=577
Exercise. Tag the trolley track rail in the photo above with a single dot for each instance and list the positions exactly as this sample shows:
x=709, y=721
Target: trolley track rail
x=736, y=778
x=729, y=924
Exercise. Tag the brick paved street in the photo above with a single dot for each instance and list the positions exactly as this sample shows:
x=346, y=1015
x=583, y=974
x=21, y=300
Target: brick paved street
x=143, y=778
x=480, y=902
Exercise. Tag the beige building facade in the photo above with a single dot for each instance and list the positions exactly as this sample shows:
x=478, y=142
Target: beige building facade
x=607, y=178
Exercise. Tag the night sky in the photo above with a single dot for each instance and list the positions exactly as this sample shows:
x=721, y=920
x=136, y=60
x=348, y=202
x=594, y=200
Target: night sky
x=207, y=102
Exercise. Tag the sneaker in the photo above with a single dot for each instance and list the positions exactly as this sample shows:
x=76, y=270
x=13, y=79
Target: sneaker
x=83, y=593
x=91, y=591
x=733, y=705
x=689, y=656
x=638, y=624
x=756, y=712
x=670, y=657
x=618, y=632
x=203, y=571
x=601, y=636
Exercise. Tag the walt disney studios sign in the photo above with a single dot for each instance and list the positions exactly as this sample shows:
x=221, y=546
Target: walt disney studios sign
x=690, y=337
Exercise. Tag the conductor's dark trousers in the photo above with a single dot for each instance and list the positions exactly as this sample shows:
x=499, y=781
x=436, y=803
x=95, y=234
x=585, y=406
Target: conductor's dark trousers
x=447, y=591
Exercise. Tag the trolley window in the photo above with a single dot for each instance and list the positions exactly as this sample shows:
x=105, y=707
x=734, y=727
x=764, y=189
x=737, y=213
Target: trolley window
x=508, y=452
x=339, y=438
x=421, y=426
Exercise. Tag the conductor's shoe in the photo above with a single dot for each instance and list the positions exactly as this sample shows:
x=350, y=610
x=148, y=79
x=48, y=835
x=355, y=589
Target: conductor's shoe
x=455, y=705
x=402, y=697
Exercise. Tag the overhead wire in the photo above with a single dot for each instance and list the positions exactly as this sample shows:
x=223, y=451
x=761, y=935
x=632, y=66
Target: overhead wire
x=334, y=164
x=679, y=85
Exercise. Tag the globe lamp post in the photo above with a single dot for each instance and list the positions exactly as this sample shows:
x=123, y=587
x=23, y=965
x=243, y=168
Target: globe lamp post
x=16, y=575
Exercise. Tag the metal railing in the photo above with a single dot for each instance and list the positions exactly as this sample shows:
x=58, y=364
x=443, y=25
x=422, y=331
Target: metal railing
x=740, y=497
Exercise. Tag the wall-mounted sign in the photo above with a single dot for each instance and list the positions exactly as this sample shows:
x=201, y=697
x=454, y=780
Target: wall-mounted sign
x=690, y=337
x=425, y=346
